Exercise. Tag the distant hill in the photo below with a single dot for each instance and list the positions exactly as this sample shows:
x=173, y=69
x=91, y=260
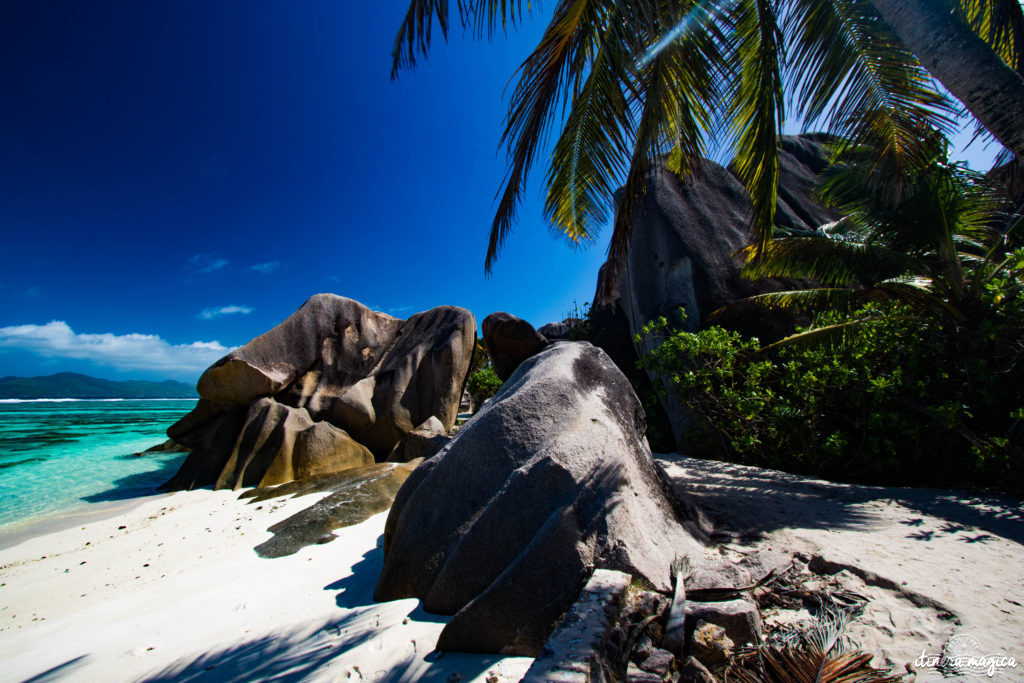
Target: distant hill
x=74, y=385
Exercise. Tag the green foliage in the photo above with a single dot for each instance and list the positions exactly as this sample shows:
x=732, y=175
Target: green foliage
x=480, y=358
x=622, y=87
x=897, y=400
x=584, y=329
x=483, y=384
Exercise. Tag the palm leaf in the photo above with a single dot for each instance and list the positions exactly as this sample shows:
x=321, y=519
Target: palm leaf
x=832, y=334
x=484, y=16
x=673, y=87
x=1000, y=23
x=480, y=16
x=920, y=297
x=830, y=262
x=414, y=32
x=797, y=300
x=546, y=76
x=851, y=75
x=589, y=156
x=756, y=111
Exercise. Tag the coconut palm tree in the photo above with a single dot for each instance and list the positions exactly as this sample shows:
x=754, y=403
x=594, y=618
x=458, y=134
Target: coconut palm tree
x=974, y=54
x=631, y=85
x=927, y=240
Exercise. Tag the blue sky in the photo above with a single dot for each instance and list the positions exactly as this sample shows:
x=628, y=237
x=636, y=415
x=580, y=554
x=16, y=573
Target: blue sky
x=178, y=177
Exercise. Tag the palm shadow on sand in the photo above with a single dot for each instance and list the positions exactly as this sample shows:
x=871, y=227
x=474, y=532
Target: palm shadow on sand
x=309, y=651
x=750, y=502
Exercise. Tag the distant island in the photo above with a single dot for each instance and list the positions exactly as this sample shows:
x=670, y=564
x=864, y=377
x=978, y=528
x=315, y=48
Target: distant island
x=75, y=385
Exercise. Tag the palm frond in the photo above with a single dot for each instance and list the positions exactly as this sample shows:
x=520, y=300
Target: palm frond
x=484, y=16
x=589, y=157
x=480, y=16
x=756, y=111
x=414, y=32
x=920, y=297
x=793, y=665
x=798, y=300
x=674, y=85
x=852, y=75
x=830, y=334
x=546, y=77
x=1000, y=23
x=830, y=262
x=933, y=205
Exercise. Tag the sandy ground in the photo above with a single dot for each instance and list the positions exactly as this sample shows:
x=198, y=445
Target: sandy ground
x=171, y=590
x=940, y=568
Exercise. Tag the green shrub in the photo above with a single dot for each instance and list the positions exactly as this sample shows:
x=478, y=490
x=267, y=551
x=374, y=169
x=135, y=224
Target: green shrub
x=483, y=384
x=896, y=400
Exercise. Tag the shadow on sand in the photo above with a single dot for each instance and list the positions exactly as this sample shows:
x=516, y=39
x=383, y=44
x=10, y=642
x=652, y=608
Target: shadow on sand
x=750, y=501
x=332, y=649
x=59, y=671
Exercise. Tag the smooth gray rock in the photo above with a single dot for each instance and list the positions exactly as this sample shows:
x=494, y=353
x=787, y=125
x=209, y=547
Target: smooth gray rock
x=422, y=442
x=558, y=331
x=740, y=619
x=575, y=652
x=371, y=375
x=680, y=255
x=510, y=341
x=553, y=476
x=717, y=574
x=659, y=662
x=279, y=443
x=634, y=674
x=758, y=565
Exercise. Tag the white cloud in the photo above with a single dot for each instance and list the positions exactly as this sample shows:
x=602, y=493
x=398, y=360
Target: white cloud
x=147, y=352
x=220, y=311
x=266, y=268
x=206, y=263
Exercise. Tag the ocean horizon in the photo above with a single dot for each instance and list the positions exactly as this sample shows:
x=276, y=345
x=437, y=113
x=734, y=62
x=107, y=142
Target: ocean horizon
x=62, y=455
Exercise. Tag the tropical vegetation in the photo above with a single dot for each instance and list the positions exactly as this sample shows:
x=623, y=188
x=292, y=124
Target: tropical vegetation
x=628, y=86
x=483, y=384
x=911, y=369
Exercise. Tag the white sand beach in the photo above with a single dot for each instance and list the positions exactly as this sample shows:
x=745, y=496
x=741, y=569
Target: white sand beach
x=934, y=564
x=171, y=589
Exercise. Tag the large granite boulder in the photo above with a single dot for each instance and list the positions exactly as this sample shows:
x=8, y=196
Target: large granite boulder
x=279, y=444
x=422, y=442
x=510, y=341
x=371, y=376
x=559, y=331
x=681, y=255
x=552, y=478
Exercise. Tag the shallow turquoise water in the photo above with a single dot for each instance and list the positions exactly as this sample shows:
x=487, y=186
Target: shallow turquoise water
x=56, y=456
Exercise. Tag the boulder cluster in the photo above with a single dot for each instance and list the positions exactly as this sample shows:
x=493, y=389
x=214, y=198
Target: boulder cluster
x=551, y=479
x=334, y=386
x=549, y=487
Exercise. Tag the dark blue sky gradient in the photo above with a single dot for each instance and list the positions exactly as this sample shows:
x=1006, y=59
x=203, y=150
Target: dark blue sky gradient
x=155, y=152
x=145, y=142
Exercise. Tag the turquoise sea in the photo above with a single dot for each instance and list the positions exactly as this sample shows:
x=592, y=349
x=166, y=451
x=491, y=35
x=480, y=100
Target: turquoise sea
x=60, y=455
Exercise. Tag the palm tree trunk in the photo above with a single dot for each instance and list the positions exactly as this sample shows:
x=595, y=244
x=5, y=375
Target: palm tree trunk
x=962, y=62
